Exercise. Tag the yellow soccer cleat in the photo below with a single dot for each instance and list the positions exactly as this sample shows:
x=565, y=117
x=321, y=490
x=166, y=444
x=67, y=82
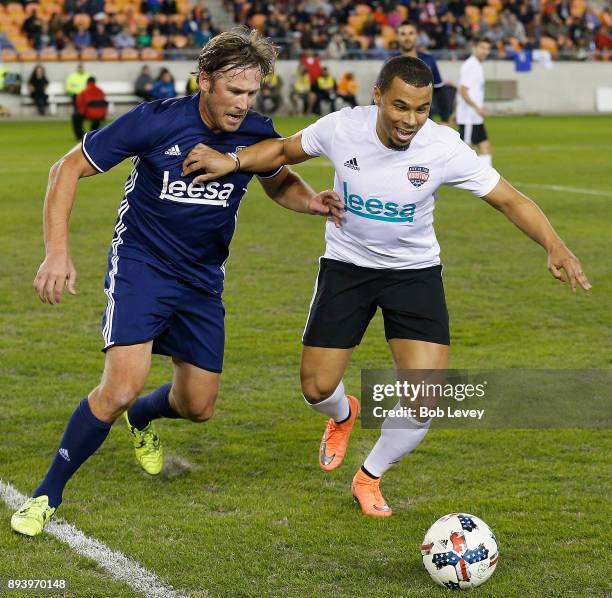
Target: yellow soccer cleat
x=336, y=437
x=147, y=447
x=33, y=516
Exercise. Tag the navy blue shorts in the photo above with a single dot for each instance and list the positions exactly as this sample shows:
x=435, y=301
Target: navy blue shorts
x=147, y=304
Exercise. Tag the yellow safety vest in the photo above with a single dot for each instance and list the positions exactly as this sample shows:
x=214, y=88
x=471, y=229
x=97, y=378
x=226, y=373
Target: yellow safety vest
x=271, y=80
x=302, y=85
x=76, y=83
x=326, y=82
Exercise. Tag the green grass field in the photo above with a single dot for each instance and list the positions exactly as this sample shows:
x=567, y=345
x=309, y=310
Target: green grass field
x=242, y=508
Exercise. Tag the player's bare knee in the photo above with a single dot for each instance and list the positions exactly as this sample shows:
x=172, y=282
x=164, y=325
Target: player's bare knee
x=118, y=397
x=201, y=414
x=315, y=389
x=197, y=406
x=200, y=410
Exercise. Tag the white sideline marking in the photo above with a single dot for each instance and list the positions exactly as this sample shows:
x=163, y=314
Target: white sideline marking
x=116, y=563
x=578, y=190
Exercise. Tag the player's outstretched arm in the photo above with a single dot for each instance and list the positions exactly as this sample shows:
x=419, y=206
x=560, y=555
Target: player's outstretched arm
x=261, y=157
x=57, y=269
x=527, y=216
x=289, y=190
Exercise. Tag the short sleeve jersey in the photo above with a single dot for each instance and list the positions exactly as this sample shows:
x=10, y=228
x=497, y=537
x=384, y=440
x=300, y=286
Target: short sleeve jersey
x=165, y=219
x=389, y=195
x=472, y=77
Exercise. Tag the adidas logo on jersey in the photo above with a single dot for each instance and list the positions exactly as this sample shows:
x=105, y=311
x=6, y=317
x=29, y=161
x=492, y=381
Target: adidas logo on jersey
x=173, y=151
x=352, y=163
x=64, y=454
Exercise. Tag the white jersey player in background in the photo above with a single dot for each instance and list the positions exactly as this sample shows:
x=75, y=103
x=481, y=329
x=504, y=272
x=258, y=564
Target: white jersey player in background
x=389, y=160
x=470, y=100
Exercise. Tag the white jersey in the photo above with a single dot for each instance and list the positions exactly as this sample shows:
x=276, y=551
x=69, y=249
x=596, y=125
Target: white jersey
x=389, y=195
x=471, y=76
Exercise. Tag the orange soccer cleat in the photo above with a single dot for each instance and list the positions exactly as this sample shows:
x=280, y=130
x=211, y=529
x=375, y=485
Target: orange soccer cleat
x=335, y=438
x=366, y=492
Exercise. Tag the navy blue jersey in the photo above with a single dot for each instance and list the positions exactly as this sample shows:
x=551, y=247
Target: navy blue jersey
x=164, y=219
x=430, y=61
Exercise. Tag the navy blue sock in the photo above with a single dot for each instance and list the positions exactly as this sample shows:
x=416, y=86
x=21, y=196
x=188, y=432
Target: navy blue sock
x=83, y=436
x=152, y=406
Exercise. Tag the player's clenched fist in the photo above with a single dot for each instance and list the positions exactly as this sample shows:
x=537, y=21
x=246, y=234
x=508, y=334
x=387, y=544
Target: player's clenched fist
x=55, y=273
x=202, y=157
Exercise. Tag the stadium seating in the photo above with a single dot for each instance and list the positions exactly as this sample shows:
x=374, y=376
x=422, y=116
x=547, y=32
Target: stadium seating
x=22, y=29
x=565, y=28
x=574, y=26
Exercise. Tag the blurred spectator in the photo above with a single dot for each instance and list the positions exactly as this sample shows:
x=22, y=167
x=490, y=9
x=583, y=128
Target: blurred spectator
x=43, y=38
x=55, y=24
x=124, y=39
x=82, y=38
x=5, y=42
x=325, y=91
x=76, y=82
x=163, y=88
x=302, y=98
x=113, y=26
x=143, y=38
x=270, y=97
x=347, y=88
x=192, y=85
x=61, y=41
x=37, y=86
x=203, y=34
x=151, y=6
x=168, y=7
x=32, y=26
x=101, y=38
x=94, y=7
x=312, y=64
x=336, y=48
x=143, y=85
x=91, y=105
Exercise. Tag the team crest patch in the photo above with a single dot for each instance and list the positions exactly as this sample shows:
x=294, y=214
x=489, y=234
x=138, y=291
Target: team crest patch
x=418, y=175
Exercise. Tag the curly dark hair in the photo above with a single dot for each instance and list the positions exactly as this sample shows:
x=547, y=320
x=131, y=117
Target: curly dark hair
x=237, y=48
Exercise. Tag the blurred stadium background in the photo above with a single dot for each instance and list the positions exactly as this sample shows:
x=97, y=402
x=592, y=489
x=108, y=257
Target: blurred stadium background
x=538, y=46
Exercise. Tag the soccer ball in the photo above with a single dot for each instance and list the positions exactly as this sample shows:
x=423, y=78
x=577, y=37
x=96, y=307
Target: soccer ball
x=460, y=551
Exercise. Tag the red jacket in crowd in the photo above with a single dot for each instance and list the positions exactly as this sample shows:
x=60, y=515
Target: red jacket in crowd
x=91, y=102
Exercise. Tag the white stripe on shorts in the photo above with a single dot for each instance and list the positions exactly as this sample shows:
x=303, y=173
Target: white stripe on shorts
x=467, y=133
x=120, y=228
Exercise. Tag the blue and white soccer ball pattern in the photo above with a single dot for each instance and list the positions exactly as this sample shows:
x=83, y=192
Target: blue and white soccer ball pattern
x=460, y=551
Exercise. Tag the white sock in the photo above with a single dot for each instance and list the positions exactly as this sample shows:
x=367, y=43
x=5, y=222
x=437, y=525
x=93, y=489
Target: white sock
x=398, y=437
x=336, y=406
x=487, y=159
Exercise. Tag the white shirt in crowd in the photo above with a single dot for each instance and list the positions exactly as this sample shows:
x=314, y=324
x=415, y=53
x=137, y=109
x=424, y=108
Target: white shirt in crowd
x=471, y=76
x=389, y=195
